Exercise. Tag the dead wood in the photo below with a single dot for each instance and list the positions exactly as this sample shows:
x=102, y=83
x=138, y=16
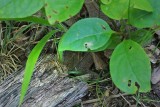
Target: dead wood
x=48, y=88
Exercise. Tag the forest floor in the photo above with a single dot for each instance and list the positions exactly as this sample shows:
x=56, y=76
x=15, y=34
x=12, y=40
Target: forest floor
x=17, y=39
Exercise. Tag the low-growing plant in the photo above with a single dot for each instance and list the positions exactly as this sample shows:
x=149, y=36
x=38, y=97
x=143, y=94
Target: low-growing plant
x=130, y=67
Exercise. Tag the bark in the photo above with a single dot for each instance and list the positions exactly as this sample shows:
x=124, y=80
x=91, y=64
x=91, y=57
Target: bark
x=48, y=87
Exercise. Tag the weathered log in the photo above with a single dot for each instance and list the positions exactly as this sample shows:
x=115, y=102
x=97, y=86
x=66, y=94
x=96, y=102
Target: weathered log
x=48, y=87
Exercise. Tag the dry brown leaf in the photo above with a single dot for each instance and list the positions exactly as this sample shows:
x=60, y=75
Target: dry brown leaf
x=99, y=63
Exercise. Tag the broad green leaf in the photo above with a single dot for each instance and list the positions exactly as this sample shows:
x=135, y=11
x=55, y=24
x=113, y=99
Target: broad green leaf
x=4, y=2
x=130, y=67
x=114, y=40
x=88, y=34
x=142, y=5
x=143, y=19
x=118, y=9
x=19, y=8
x=61, y=10
x=32, y=59
x=142, y=36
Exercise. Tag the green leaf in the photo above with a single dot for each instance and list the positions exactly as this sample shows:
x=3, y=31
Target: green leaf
x=118, y=9
x=142, y=36
x=19, y=8
x=130, y=67
x=88, y=34
x=143, y=19
x=32, y=59
x=61, y=10
x=142, y=5
x=114, y=40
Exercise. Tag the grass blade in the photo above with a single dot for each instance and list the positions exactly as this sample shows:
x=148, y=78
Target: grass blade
x=32, y=59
